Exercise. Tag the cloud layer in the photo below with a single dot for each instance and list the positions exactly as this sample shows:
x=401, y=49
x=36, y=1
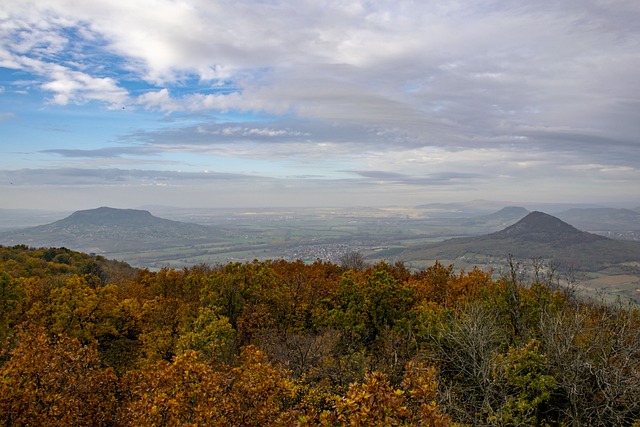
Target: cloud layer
x=387, y=97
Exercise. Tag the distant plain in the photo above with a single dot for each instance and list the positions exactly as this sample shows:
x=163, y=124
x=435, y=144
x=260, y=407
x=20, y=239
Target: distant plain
x=309, y=234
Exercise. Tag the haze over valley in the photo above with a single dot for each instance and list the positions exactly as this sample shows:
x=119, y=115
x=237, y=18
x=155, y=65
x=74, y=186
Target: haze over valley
x=465, y=235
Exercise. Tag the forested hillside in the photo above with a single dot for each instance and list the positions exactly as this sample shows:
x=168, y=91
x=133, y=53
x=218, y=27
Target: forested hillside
x=90, y=342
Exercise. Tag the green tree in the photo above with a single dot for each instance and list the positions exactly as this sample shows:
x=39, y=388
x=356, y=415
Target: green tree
x=525, y=387
x=210, y=334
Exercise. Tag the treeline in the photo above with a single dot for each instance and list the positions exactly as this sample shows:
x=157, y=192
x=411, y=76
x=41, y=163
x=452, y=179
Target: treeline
x=91, y=342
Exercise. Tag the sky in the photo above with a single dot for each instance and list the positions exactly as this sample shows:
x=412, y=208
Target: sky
x=274, y=103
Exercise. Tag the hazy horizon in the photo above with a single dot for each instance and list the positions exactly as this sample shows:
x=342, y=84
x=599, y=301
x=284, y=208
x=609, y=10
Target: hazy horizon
x=249, y=103
x=466, y=206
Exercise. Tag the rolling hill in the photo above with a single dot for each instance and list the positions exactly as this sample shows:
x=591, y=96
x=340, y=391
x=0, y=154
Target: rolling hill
x=537, y=235
x=106, y=230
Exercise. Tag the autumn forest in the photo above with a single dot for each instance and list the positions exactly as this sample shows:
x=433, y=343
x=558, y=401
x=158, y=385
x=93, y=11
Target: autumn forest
x=86, y=341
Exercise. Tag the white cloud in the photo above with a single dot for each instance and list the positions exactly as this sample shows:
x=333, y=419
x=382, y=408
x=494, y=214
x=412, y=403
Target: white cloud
x=75, y=87
x=33, y=45
x=158, y=100
x=350, y=60
x=516, y=87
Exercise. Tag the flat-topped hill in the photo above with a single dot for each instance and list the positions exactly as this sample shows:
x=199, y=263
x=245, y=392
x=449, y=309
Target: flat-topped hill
x=108, y=229
x=111, y=217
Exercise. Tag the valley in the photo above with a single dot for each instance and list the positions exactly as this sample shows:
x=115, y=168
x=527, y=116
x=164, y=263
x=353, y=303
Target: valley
x=466, y=236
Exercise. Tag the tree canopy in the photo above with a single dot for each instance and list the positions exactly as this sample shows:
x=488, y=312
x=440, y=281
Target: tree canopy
x=87, y=341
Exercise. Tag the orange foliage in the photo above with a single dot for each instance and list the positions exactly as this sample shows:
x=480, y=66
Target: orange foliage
x=188, y=392
x=376, y=402
x=441, y=285
x=55, y=382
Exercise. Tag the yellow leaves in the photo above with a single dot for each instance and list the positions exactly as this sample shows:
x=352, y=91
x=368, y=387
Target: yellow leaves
x=188, y=390
x=376, y=403
x=12, y=296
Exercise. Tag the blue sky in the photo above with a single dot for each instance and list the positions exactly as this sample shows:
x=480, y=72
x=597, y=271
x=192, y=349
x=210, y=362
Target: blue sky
x=299, y=103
